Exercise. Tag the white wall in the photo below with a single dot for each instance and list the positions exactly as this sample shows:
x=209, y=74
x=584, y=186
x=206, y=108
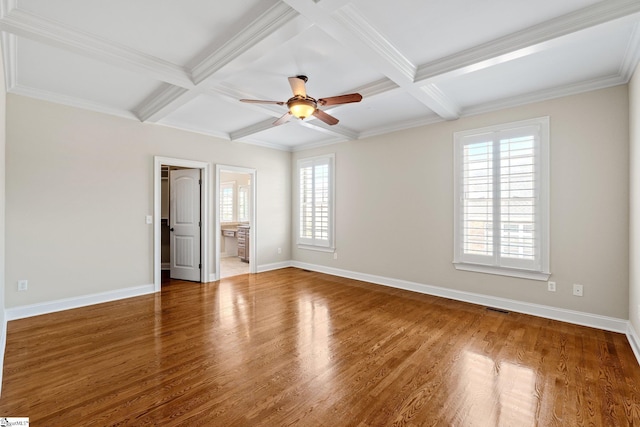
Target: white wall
x=394, y=205
x=634, y=231
x=80, y=183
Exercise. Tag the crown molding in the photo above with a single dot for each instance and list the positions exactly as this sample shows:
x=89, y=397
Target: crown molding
x=10, y=58
x=266, y=24
x=56, y=34
x=317, y=144
x=546, y=95
x=70, y=101
x=406, y=124
x=6, y=6
x=260, y=143
x=632, y=55
x=509, y=46
x=194, y=129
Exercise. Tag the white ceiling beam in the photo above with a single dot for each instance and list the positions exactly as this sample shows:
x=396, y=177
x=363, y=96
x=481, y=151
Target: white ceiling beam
x=52, y=33
x=346, y=22
x=525, y=42
x=376, y=88
x=250, y=130
x=268, y=32
x=269, y=24
x=163, y=101
x=339, y=131
x=233, y=96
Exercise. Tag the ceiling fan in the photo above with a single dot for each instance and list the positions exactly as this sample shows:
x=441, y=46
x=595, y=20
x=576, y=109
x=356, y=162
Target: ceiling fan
x=302, y=106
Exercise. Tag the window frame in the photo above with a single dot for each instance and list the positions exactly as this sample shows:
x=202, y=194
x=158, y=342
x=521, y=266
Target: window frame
x=494, y=264
x=317, y=244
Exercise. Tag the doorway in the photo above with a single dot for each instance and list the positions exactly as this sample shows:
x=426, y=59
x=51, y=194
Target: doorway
x=235, y=221
x=188, y=257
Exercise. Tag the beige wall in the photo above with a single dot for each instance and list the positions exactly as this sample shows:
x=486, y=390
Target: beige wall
x=79, y=185
x=394, y=205
x=634, y=231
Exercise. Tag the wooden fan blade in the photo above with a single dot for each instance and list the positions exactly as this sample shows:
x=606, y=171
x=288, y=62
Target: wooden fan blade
x=285, y=118
x=297, y=86
x=327, y=118
x=259, y=101
x=341, y=99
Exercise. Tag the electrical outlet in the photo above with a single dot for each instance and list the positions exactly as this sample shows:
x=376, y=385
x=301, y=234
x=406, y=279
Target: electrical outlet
x=279, y=250
x=148, y=219
x=335, y=255
x=551, y=286
x=22, y=285
x=577, y=290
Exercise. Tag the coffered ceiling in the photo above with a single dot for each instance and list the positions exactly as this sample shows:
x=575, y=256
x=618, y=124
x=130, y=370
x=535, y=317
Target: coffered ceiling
x=186, y=63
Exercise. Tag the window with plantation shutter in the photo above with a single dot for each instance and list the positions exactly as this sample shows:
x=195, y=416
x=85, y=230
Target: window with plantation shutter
x=226, y=201
x=315, y=184
x=243, y=203
x=501, y=210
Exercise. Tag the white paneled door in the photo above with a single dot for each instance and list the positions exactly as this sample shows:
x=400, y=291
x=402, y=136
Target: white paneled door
x=184, y=223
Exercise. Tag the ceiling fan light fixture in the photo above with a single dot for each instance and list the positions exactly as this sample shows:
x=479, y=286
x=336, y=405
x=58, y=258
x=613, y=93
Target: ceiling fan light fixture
x=302, y=107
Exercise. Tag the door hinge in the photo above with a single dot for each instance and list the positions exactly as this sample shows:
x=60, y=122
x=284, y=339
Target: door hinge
x=200, y=181
x=199, y=223
x=199, y=266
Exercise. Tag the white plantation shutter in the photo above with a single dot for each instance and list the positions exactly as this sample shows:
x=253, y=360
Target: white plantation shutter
x=501, y=186
x=226, y=201
x=315, y=180
x=243, y=203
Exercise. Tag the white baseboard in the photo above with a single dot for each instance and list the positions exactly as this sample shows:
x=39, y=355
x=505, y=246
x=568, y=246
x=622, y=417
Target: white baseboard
x=24, y=311
x=634, y=341
x=213, y=277
x=576, y=317
x=274, y=266
x=3, y=344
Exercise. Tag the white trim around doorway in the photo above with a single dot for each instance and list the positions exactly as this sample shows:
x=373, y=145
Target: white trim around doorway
x=253, y=262
x=205, y=237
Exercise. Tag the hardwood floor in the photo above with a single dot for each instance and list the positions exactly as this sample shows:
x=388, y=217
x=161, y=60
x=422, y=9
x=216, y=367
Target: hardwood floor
x=292, y=347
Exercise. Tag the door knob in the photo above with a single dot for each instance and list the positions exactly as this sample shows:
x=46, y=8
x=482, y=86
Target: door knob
x=171, y=229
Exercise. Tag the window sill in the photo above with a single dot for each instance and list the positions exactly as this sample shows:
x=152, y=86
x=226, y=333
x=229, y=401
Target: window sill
x=501, y=271
x=316, y=248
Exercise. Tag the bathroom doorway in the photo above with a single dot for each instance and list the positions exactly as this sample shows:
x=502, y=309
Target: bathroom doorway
x=236, y=242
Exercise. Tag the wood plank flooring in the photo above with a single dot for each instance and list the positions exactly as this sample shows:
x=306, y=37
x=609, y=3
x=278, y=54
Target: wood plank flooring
x=292, y=347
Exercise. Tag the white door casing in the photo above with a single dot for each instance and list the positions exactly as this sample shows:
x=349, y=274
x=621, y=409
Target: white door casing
x=184, y=223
